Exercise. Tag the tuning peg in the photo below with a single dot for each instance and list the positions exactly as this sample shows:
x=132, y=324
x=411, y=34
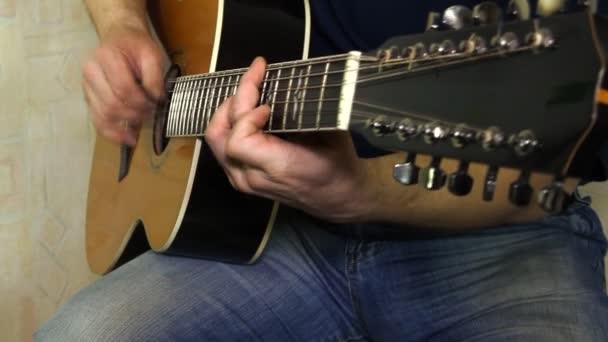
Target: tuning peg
x=457, y=17
x=489, y=185
x=407, y=173
x=434, y=132
x=518, y=10
x=462, y=136
x=491, y=138
x=433, y=22
x=382, y=126
x=553, y=197
x=545, y=8
x=487, y=13
x=524, y=143
x=433, y=177
x=520, y=191
x=407, y=129
x=460, y=182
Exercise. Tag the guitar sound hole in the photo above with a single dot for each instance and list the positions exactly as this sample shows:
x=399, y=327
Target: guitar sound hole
x=160, y=117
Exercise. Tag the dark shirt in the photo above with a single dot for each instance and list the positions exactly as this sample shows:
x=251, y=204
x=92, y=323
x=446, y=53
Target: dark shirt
x=344, y=25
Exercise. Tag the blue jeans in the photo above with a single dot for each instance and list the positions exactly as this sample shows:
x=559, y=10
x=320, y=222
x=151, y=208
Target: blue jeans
x=322, y=282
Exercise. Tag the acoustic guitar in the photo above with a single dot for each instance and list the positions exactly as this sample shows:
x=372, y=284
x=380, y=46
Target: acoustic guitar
x=520, y=93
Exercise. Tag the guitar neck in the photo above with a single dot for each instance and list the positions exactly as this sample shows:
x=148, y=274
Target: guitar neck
x=307, y=95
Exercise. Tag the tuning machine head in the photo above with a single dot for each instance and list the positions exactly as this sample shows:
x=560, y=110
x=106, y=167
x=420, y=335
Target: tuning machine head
x=381, y=125
x=433, y=177
x=487, y=13
x=406, y=173
x=457, y=17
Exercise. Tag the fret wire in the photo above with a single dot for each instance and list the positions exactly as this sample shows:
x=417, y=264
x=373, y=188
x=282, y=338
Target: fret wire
x=206, y=105
x=274, y=97
x=321, y=94
x=178, y=109
x=285, y=108
x=297, y=93
x=264, y=87
x=218, y=97
x=211, y=110
x=302, y=103
x=187, y=108
x=201, y=109
x=236, y=84
x=197, y=121
x=172, y=106
x=192, y=115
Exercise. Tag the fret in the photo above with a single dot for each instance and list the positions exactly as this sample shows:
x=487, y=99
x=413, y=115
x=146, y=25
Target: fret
x=187, y=111
x=206, y=92
x=219, y=94
x=199, y=112
x=192, y=116
x=287, y=95
x=199, y=106
x=211, y=95
x=274, y=99
x=178, y=109
x=303, y=102
x=228, y=88
x=172, y=107
x=236, y=84
x=321, y=94
x=265, y=82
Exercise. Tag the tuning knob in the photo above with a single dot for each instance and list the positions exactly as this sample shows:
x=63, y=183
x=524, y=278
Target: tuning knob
x=520, y=191
x=524, y=143
x=491, y=138
x=487, y=13
x=460, y=183
x=457, y=17
x=518, y=10
x=489, y=185
x=462, y=136
x=508, y=41
x=406, y=129
x=553, y=197
x=407, y=173
x=382, y=126
x=433, y=177
x=434, y=132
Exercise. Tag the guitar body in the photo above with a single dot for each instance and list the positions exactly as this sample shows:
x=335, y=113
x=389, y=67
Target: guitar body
x=179, y=201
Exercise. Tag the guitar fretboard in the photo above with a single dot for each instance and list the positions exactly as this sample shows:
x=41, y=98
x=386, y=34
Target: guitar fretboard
x=307, y=95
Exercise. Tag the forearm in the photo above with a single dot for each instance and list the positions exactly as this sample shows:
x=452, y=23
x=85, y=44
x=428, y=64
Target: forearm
x=107, y=13
x=417, y=207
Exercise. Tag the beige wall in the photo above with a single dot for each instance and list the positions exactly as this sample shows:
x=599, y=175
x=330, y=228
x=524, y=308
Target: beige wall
x=45, y=145
x=45, y=151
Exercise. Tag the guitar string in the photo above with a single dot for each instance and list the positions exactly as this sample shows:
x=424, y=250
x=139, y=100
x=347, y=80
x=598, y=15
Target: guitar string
x=453, y=58
x=195, y=102
x=380, y=64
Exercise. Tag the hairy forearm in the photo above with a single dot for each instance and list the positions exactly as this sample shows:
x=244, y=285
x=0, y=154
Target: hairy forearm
x=415, y=206
x=107, y=13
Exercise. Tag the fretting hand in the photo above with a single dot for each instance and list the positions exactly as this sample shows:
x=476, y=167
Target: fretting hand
x=322, y=176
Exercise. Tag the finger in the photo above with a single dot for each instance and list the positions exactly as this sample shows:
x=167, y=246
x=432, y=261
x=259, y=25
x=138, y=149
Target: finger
x=248, y=92
x=150, y=64
x=109, y=106
x=122, y=80
x=218, y=131
x=111, y=129
x=249, y=145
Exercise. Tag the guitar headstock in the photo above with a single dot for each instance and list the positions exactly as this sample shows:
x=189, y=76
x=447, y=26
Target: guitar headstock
x=519, y=94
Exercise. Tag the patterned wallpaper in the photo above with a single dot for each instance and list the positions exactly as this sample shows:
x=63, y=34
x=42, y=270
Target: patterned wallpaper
x=45, y=151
